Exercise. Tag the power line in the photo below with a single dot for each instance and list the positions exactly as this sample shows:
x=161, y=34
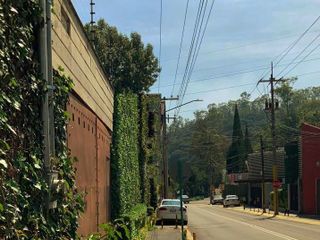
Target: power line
x=188, y=72
x=300, y=53
x=291, y=46
x=198, y=49
x=160, y=45
x=297, y=40
x=242, y=46
x=180, y=48
x=259, y=68
x=200, y=6
x=315, y=48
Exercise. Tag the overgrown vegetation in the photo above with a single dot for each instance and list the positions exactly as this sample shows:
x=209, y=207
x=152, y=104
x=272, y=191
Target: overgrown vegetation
x=203, y=143
x=130, y=226
x=23, y=189
x=125, y=178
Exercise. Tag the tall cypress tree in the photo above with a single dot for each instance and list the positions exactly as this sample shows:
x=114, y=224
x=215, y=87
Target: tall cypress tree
x=247, y=145
x=247, y=142
x=236, y=153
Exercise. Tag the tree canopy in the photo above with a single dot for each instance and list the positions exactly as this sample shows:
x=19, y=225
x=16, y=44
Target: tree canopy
x=203, y=142
x=130, y=65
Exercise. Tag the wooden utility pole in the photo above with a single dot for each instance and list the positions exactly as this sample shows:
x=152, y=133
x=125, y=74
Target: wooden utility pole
x=271, y=107
x=165, y=118
x=262, y=173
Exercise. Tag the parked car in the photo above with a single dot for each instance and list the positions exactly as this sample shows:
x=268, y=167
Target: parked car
x=169, y=209
x=231, y=200
x=217, y=199
x=185, y=198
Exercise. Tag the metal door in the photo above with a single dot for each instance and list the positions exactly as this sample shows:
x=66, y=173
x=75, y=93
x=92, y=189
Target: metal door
x=318, y=197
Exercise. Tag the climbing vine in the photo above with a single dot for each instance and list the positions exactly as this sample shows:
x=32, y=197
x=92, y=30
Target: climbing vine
x=125, y=179
x=23, y=189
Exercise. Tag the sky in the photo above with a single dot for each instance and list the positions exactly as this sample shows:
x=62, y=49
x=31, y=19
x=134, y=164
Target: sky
x=241, y=40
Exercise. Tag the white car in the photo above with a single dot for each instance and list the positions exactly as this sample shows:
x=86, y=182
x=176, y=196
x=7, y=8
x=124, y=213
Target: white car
x=169, y=209
x=231, y=200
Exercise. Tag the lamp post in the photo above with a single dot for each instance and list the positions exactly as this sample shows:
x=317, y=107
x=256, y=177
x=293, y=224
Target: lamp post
x=165, y=142
x=195, y=100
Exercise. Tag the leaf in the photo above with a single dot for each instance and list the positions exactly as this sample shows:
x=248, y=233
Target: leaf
x=3, y=163
x=37, y=166
x=1, y=207
x=38, y=186
x=12, y=9
x=11, y=129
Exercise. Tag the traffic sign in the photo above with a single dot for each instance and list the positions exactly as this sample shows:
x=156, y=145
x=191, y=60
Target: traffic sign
x=276, y=184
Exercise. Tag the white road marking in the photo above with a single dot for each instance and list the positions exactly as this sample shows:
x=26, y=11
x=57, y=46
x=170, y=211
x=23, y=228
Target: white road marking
x=280, y=235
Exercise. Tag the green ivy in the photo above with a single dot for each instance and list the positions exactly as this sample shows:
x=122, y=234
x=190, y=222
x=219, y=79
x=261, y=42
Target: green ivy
x=149, y=148
x=23, y=189
x=125, y=179
x=129, y=226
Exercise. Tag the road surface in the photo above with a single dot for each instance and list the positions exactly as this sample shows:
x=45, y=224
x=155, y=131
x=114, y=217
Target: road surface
x=216, y=223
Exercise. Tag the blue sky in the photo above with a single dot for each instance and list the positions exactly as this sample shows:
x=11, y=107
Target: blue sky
x=242, y=38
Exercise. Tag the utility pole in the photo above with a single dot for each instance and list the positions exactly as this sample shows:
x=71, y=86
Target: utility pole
x=180, y=173
x=47, y=104
x=165, y=118
x=262, y=173
x=272, y=107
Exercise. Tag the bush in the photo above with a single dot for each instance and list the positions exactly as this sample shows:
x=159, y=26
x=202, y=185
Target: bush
x=130, y=226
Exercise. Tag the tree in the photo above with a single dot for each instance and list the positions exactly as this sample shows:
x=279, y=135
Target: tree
x=247, y=142
x=130, y=65
x=236, y=152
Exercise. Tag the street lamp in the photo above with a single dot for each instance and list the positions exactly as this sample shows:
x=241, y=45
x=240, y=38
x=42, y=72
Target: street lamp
x=194, y=100
x=165, y=157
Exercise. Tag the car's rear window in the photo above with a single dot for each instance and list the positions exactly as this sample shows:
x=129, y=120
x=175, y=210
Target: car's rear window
x=232, y=197
x=171, y=203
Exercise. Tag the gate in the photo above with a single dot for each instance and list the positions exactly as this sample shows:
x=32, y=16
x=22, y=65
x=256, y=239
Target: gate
x=318, y=197
x=89, y=141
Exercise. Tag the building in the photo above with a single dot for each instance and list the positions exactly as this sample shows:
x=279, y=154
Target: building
x=248, y=185
x=310, y=152
x=91, y=110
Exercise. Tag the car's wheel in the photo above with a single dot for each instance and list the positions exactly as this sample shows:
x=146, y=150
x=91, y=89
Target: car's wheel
x=185, y=222
x=224, y=205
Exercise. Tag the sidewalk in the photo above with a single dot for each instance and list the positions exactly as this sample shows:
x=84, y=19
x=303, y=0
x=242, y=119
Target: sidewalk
x=314, y=220
x=167, y=233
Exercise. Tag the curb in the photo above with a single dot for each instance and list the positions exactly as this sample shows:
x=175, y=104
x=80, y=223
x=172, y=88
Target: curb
x=288, y=218
x=189, y=234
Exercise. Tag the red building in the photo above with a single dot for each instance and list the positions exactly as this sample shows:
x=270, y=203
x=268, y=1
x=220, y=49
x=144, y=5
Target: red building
x=310, y=143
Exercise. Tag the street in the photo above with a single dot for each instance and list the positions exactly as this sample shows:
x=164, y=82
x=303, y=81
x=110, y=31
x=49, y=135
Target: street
x=215, y=222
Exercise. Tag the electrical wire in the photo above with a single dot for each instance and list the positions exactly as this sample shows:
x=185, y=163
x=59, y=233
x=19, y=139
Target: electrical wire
x=180, y=49
x=200, y=6
x=300, y=53
x=284, y=53
x=197, y=50
x=160, y=39
x=315, y=48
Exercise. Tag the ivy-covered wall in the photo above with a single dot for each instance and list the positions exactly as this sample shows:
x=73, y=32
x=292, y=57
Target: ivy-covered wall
x=125, y=178
x=23, y=189
x=136, y=152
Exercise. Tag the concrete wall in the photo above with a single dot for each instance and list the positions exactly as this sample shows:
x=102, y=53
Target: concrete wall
x=72, y=51
x=91, y=110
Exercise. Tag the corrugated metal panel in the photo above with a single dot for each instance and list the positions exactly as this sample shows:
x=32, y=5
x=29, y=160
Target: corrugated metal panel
x=89, y=141
x=254, y=163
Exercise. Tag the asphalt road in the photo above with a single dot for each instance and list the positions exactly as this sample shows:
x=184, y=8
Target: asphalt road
x=216, y=223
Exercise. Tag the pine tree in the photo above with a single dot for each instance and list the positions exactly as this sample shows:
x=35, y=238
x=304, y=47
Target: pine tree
x=236, y=152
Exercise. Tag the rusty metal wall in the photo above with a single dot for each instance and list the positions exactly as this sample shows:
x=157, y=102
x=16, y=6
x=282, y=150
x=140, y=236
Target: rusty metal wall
x=89, y=141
